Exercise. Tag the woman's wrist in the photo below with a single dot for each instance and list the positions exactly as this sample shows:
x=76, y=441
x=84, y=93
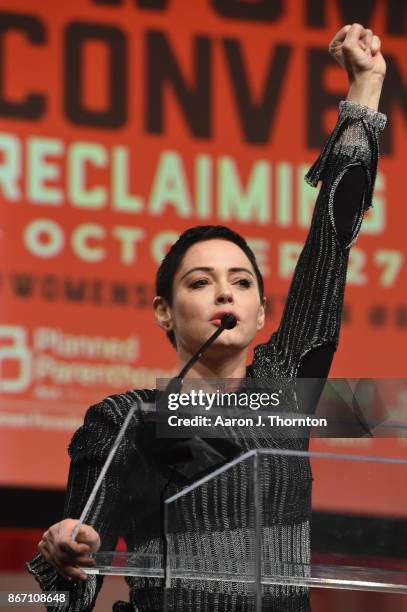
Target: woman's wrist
x=366, y=91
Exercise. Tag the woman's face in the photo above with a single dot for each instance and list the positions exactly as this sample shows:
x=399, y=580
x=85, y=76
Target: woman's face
x=215, y=277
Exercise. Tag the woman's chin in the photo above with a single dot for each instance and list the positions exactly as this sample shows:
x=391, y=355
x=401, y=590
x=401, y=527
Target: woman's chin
x=228, y=341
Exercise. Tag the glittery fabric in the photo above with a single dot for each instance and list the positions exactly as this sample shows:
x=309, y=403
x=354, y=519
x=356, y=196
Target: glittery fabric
x=128, y=502
x=312, y=312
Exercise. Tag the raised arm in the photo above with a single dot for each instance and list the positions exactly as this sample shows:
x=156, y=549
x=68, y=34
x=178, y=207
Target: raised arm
x=347, y=168
x=88, y=450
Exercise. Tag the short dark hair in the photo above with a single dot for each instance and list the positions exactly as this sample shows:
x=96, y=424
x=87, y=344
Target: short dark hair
x=171, y=262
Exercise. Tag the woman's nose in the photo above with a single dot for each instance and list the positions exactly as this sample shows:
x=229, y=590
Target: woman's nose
x=224, y=297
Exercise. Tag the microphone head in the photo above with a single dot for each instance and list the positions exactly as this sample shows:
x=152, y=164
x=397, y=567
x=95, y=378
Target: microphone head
x=228, y=321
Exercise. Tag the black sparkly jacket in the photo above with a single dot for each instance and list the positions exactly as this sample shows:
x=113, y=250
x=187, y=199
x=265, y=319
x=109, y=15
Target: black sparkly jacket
x=303, y=345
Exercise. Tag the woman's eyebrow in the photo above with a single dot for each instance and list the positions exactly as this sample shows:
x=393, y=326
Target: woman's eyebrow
x=207, y=269
x=241, y=270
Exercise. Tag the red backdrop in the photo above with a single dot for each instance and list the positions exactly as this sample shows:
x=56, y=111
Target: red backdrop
x=122, y=124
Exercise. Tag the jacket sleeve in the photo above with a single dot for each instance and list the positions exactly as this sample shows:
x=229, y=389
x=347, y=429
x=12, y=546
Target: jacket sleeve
x=88, y=450
x=312, y=313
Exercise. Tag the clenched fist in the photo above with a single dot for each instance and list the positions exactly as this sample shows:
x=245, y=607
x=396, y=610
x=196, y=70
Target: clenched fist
x=65, y=554
x=357, y=49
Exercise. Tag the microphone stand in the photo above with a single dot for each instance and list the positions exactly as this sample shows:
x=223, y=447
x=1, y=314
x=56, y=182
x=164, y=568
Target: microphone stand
x=105, y=467
x=228, y=321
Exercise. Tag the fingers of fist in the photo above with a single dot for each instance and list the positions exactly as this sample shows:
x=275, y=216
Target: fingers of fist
x=375, y=45
x=365, y=41
x=358, y=50
x=352, y=37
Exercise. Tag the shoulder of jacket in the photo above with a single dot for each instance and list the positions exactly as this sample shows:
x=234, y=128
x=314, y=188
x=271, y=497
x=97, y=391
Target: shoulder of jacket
x=115, y=407
x=103, y=420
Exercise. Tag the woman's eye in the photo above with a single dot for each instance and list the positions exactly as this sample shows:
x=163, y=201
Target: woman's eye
x=201, y=282
x=245, y=282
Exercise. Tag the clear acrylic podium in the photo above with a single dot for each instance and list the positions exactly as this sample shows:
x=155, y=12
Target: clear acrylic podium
x=227, y=529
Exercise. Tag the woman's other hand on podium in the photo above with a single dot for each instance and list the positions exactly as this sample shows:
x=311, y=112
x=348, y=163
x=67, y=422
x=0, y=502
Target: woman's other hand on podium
x=65, y=554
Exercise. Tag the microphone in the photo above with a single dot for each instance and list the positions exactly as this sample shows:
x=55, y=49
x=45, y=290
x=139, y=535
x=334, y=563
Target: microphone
x=227, y=321
x=170, y=450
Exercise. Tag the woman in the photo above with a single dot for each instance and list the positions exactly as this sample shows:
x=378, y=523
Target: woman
x=208, y=272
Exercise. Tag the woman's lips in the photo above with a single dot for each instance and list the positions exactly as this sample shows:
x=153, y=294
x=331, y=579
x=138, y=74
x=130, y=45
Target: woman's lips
x=217, y=319
x=220, y=313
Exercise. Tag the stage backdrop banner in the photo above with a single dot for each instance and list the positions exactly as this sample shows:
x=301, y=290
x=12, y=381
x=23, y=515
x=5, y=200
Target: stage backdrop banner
x=122, y=123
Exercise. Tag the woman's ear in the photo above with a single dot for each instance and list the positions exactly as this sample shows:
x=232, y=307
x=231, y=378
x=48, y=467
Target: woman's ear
x=261, y=317
x=162, y=313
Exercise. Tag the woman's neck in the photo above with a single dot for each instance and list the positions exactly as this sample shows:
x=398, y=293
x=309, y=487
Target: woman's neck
x=225, y=366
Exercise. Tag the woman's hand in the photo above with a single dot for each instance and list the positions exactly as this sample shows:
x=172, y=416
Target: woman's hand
x=357, y=50
x=65, y=554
